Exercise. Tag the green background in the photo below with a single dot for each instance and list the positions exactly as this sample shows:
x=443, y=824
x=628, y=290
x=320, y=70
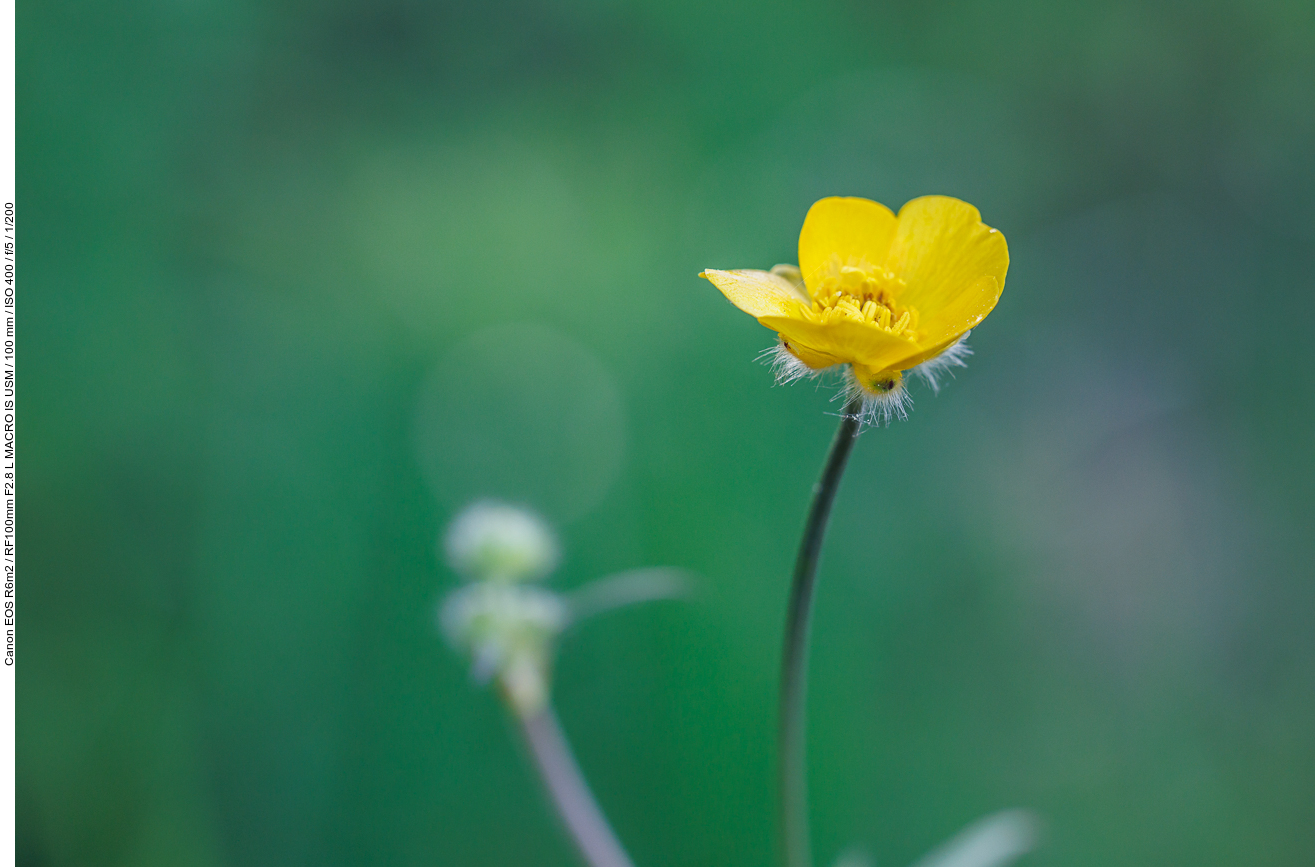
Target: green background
x=300, y=278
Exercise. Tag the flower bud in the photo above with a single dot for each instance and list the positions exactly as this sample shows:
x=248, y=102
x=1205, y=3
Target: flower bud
x=509, y=631
x=492, y=541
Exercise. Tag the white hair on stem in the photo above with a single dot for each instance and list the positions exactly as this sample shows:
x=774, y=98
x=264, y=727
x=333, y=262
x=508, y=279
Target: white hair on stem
x=877, y=409
x=786, y=367
x=933, y=369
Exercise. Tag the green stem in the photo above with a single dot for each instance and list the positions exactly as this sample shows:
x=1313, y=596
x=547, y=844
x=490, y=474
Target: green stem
x=579, y=811
x=793, y=779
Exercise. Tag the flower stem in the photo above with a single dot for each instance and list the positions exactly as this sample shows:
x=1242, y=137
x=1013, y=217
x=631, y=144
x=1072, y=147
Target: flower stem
x=580, y=813
x=792, y=770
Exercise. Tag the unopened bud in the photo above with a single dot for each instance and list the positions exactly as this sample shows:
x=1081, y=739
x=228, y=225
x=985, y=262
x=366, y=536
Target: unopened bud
x=495, y=542
x=509, y=631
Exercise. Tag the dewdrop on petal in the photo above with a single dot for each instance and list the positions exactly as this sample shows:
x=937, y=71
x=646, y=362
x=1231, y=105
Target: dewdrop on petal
x=492, y=541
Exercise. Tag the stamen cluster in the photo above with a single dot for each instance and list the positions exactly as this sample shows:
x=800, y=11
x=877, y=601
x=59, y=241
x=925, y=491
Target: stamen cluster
x=863, y=294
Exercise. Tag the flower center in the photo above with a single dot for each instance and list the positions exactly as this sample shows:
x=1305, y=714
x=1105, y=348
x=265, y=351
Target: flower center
x=864, y=294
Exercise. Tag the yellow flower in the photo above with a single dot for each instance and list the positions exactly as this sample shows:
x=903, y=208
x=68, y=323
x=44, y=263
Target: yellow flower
x=881, y=293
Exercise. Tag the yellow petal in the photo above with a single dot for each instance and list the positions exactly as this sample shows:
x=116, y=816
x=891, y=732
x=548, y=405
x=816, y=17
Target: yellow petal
x=928, y=354
x=953, y=265
x=853, y=229
x=791, y=273
x=965, y=313
x=844, y=340
x=758, y=293
x=811, y=358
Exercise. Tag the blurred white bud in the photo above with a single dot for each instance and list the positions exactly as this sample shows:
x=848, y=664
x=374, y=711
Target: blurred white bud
x=995, y=841
x=492, y=541
x=506, y=616
x=509, y=631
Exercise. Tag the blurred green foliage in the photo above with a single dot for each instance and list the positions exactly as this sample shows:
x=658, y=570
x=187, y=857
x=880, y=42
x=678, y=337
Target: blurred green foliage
x=263, y=244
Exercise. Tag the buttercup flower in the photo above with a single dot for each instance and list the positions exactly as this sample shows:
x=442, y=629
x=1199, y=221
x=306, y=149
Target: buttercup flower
x=879, y=293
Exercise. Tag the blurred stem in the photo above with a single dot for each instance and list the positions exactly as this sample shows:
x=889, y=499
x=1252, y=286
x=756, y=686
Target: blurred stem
x=792, y=769
x=598, y=844
x=627, y=588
